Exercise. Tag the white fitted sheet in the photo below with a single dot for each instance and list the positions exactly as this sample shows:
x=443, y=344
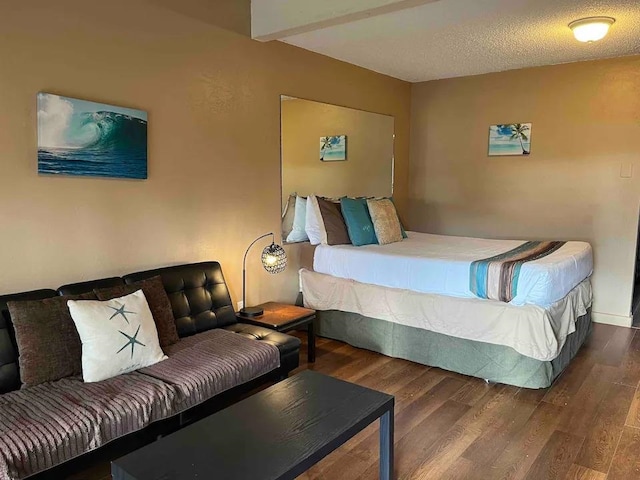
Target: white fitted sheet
x=440, y=264
x=530, y=330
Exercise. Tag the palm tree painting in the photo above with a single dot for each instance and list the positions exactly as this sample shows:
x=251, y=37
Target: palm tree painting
x=333, y=148
x=510, y=139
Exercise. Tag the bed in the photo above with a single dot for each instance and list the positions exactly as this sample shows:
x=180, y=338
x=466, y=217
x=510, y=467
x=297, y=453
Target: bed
x=418, y=300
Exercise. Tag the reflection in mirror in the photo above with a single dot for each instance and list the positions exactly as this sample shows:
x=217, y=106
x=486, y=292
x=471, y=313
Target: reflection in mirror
x=359, y=165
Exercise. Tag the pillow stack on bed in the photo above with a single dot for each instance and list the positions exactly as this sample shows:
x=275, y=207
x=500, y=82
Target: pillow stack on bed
x=357, y=221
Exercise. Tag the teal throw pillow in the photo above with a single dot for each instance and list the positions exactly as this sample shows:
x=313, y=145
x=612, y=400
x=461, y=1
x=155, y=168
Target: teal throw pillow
x=359, y=224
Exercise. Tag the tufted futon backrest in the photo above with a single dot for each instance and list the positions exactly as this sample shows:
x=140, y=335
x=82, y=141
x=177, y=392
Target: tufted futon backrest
x=90, y=286
x=198, y=293
x=9, y=372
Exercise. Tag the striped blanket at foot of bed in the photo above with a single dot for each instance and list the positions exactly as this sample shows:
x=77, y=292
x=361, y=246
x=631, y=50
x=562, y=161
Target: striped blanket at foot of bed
x=496, y=278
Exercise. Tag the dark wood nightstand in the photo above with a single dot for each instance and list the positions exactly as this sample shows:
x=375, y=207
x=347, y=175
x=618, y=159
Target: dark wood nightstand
x=283, y=318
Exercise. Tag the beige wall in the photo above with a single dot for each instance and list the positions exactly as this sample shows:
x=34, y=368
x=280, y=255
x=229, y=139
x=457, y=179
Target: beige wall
x=368, y=168
x=234, y=15
x=213, y=99
x=586, y=128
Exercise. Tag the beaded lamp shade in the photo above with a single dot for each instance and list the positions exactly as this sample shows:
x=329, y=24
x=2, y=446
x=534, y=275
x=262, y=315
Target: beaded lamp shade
x=274, y=258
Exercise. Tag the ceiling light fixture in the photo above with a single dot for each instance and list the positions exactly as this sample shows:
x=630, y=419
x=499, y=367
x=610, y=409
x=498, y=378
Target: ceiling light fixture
x=591, y=29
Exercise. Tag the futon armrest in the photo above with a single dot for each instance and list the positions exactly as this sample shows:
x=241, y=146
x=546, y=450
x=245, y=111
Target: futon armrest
x=285, y=343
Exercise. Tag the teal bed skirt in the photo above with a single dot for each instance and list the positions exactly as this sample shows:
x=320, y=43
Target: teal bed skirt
x=496, y=363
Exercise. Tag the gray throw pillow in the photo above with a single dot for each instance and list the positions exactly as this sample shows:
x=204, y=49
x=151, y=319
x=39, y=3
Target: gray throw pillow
x=48, y=342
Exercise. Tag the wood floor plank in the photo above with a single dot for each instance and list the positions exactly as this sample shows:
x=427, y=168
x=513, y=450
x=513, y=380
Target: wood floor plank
x=412, y=416
x=488, y=446
x=556, y=457
x=473, y=390
x=629, y=370
x=617, y=347
x=633, y=417
x=635, y=343
x=516, y=459
x=419, y=388
x=604, y=337
x=443, y=453
x=360, y=366
x=601, y=441
x=389, y=379
x=600, y=336
x=570, y=381
x=408, y=417
x=626, y=461
x=578, y=472
x=581, y=408
x=329, y=348
x=462, y=469
x=415, y=400
x=413, y=447
x=330, y=357
x=406, y=392
x=530, y=395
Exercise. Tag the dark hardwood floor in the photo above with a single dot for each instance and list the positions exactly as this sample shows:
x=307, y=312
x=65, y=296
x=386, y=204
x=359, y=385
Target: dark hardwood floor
x=449, y=426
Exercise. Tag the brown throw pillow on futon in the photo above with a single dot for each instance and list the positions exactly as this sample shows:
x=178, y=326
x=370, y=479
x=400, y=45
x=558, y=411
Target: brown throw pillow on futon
x=159, y=305
x=48, y=342
x=333, y=222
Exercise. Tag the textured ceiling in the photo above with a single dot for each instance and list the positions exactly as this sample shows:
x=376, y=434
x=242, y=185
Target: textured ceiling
x=451, y=38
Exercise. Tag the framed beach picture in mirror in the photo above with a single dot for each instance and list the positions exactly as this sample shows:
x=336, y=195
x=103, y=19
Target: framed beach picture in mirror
x=333, y=148
x=510, y=139
x=80, y=137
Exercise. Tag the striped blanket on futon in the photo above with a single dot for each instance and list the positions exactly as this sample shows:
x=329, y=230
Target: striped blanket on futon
x=496, y=278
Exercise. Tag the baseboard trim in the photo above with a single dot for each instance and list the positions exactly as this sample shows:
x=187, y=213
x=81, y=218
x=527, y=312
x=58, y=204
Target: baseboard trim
x=609, y=319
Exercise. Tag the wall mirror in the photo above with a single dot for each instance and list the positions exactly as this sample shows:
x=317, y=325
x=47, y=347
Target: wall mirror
x=332, y=151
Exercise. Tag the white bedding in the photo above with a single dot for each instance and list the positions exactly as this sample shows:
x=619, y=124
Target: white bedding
x=440, y=264
x=530, y=330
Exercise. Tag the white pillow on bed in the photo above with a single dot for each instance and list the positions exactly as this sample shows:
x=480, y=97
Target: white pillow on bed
x=298, y=233
x=314, y=226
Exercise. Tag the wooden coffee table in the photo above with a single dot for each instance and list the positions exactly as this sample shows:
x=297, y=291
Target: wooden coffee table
x=284, y=318
x=276, y=434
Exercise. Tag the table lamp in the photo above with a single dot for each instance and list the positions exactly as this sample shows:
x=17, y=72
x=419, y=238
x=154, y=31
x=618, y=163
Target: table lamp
x=274, y=260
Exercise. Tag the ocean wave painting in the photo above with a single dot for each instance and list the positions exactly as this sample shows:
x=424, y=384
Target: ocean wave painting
x=78, y=137
x=510, y=139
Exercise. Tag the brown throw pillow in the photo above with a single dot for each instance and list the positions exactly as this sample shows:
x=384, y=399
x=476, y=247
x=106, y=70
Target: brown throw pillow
x=333, y=222
x=48, y=342
x=385, y=221
x=159, y=305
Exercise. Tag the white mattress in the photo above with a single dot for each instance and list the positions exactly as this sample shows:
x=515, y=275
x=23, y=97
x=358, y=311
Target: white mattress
x=530, y=330
x=440, y=264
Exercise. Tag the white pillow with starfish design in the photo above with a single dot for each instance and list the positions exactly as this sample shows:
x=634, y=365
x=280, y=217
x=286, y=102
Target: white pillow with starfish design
x=118, y=336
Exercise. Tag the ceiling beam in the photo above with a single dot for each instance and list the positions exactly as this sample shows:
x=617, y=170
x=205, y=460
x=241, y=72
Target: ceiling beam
x=277, y=19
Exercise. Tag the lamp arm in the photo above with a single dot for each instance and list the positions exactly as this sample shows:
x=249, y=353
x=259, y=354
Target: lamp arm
x=244, y=265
